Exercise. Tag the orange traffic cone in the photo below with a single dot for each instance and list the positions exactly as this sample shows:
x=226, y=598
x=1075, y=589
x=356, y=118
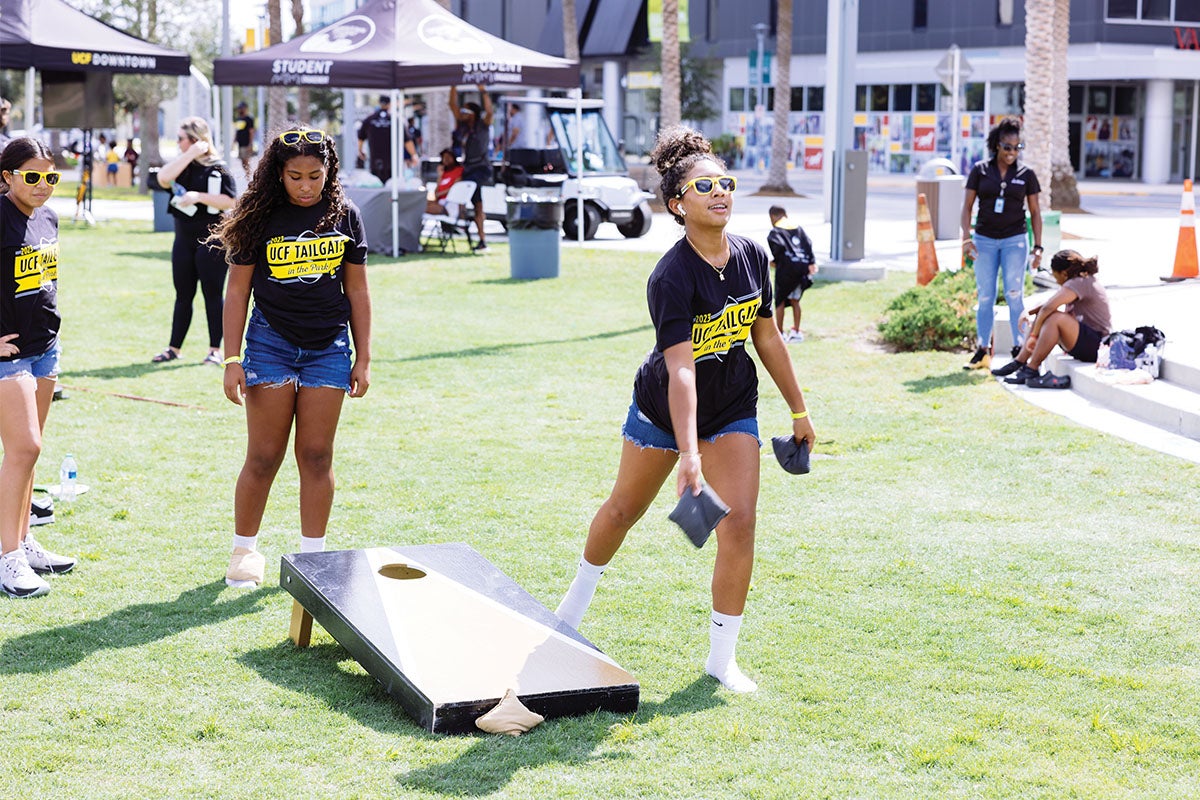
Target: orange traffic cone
x=927, y=265
x=1185, y=251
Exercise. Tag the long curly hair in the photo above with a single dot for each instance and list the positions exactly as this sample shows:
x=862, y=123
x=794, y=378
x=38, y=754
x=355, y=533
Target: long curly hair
x=241, y=231
x=676, y=150
x=1074, y=264
x=1008, y=126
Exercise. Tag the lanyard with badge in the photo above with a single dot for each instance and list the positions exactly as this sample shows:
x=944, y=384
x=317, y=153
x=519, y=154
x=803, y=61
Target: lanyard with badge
x=999, y=207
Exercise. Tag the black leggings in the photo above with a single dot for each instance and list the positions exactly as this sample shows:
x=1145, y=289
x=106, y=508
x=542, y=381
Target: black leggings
x=192, y=261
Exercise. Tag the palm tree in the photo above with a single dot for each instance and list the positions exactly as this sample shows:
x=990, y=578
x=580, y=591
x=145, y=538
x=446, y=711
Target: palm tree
x=777, y=172
x=1039, y=93
x=570, y=31
x=276, y=95
x=1064, y=194
x=668, y=110
x=303, y=111
x=436, y=126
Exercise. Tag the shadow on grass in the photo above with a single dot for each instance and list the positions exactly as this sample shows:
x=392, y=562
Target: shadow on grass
x=132, y=626
x=495, y=349
x=932, y=383
x=162, y=256
x=489, y=764
x=135, y=370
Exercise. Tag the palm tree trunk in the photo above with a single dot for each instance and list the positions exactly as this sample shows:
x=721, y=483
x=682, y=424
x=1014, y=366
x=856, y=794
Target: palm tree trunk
x=777, y=182
x=303, y=109
x=1039, y=94
x=1064, y=193
x=570, y=31
x=669, y=106
x=276, y=95
x=436, y=125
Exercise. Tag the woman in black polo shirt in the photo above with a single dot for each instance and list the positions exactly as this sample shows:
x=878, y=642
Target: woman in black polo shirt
x=696, y=393
x=1004, y=188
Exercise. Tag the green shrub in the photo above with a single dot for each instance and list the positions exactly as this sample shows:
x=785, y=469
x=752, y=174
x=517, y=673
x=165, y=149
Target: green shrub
x=938, y=316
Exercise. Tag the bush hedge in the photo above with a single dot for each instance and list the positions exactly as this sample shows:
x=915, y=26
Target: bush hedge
x=938, y=316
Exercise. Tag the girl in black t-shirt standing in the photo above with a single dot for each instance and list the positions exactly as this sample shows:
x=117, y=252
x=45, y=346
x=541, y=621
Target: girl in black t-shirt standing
x=1004, y=188
x=29, y=323
x=696, y=393
x=201, y=188
x=296, y=243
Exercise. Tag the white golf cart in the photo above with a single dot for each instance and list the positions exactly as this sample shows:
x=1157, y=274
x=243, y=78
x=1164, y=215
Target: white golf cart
x=608, y=193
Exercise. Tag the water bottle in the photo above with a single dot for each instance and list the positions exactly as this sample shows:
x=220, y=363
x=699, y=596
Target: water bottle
x=67, y=474
x=214, y=187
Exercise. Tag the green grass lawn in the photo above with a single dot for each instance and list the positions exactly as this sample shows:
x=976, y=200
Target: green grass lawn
x=966, y=598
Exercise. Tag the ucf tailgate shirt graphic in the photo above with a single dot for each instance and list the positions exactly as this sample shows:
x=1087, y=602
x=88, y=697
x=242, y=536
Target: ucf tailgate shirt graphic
x=34, y=266
x=305, y=258
x=715, y=335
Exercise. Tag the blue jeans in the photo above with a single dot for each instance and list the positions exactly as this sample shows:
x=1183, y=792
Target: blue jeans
x=639, y=430
x=993, y=256
x=273, y=361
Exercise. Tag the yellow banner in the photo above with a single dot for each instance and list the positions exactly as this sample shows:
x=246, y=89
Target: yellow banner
x=654, y=19
x=715, y=335
x=34, y=266
x=296, y=259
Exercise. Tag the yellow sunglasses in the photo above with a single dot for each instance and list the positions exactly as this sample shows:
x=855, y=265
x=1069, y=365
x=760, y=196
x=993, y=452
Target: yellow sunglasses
x=728, y=183
x=32, y=177
x=295, y=137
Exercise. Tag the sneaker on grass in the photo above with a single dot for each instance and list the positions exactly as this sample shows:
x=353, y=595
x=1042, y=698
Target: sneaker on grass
x=17, y=578
x=245, y=569
x=981, y=359
x=42, y=560
x=41, y=511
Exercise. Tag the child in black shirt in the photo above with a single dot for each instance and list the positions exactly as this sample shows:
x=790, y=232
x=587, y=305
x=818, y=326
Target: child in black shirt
x=696, y=393
x=297, y=244
x=29, y=324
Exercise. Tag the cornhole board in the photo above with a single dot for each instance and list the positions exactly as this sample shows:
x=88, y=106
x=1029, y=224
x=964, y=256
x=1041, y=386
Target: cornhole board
x=446, y=633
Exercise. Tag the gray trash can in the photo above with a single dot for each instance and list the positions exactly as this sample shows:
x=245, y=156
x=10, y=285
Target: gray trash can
x=534, y=230
x=161, y=198
x=944, y=190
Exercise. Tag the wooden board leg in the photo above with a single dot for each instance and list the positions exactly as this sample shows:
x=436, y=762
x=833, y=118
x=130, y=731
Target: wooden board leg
x=301, y=628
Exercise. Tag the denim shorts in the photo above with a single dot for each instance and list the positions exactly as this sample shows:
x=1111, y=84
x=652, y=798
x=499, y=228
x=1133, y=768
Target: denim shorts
x=639, y=430
x=43, y=366
x=272, y=360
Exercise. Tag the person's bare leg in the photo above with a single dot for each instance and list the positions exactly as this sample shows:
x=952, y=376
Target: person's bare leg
x=1059, y=328
x=317, y=413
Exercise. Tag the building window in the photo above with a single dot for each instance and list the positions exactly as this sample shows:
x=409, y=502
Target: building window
x=797, y=98
x=860, y=98
x=816, y=98
x=879, y=98
x=920, y=14
x=1152, y=12
x=927, y=95
x=974, y=97
x=1125, y=101
x=902, y=97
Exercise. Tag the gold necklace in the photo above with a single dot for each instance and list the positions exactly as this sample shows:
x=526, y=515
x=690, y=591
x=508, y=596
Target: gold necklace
x=719, y=270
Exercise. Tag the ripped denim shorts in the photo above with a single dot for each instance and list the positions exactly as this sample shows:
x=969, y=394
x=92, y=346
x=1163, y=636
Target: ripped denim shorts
x=271, y=360
x=639, y=430
x=42, y=366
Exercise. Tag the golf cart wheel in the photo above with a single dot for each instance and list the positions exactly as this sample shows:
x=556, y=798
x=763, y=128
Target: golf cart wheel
x=591, y=221
x=639, y=225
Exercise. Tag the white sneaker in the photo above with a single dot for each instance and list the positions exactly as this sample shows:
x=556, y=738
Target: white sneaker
x=41, y=511
x=17, y=578
x=41, y=560
x=245, y=569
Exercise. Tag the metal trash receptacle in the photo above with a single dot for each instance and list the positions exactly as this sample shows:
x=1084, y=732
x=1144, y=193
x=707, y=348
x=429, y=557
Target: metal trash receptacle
x=161, y=198
x=534, y=233
x=944, y=190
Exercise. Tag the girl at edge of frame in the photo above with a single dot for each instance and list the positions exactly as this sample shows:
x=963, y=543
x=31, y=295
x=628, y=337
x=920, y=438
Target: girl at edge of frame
x=1000, y=247
x=193, y=260
x=29, y=352
x=695, y=395
x=298, y=365
x=1079, y=328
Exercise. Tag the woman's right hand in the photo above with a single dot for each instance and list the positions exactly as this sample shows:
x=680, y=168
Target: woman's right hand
x=7, y=348
x=197, y=149
x=235, y=383
x=688, y=476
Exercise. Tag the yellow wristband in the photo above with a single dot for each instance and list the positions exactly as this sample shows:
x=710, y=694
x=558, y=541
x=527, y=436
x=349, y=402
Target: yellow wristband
x=232, y=360
x=799, y=414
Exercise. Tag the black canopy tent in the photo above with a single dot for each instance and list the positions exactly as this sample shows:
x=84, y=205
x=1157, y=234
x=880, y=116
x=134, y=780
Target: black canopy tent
x=52, y=37
x=371, y=49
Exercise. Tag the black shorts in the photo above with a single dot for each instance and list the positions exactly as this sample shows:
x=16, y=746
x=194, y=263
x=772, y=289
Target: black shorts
x=789, y=278
x=482, y=177
x=1087, y=345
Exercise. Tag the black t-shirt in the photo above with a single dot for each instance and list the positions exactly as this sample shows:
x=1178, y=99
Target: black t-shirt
x=195, y=178
x=689, y=301
x=988, y=184
x=477, y=136
x=28, y=278
x=792, y=252
x=376, y=130
x=297, y=280
x=245, y=127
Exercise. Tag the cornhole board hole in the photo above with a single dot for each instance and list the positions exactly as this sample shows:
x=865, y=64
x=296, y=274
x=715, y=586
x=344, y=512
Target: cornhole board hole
x=446, y=633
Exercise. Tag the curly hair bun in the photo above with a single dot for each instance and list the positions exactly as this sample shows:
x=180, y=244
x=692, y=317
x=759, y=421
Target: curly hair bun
x=676, y=143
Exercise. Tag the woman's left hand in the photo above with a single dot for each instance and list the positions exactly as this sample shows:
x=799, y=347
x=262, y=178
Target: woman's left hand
x=1036, y=263
x=360, y=378
x=188, y=199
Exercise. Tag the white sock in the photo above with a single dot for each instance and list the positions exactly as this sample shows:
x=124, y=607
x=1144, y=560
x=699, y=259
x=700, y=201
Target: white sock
x=312, y=544
x=579, y=595
x=245, y=542
x=722, y=664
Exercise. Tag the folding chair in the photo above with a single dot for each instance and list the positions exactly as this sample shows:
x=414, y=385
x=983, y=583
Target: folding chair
x=440, y=229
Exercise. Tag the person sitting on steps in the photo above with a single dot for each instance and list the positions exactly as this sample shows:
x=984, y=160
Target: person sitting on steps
x=1078, y=328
